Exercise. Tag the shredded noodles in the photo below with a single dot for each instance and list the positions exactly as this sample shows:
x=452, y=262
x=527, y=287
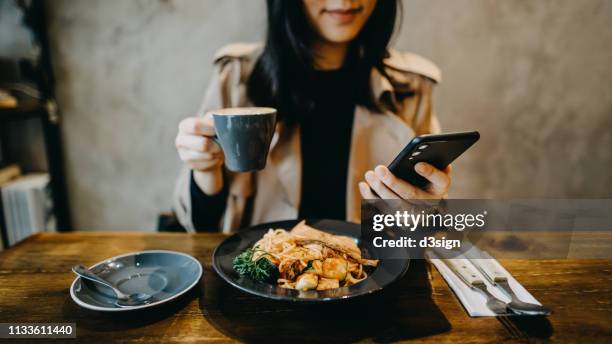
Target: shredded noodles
x=308, y=258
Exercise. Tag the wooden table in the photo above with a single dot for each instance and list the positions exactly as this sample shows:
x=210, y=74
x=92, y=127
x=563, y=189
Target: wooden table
x=35, y=277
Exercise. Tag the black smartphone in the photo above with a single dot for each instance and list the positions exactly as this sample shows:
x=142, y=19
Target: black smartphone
x=438, y=150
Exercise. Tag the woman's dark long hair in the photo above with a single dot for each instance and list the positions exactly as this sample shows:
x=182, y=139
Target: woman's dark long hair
x=287, y=58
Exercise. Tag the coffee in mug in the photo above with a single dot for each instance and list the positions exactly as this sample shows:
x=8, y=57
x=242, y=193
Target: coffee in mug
x=244, y=134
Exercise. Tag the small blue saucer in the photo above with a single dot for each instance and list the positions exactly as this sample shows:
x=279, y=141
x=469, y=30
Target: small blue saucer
x=165, y=275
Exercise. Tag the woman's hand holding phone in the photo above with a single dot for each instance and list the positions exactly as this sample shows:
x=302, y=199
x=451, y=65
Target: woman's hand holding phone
x=197, y=149
x=382, y=184
x=416, y=174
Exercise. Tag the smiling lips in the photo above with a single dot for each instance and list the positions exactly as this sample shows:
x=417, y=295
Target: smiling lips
x=343, y=16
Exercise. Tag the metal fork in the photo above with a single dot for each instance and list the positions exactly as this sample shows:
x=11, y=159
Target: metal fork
x=494, y=304
x=468, y=275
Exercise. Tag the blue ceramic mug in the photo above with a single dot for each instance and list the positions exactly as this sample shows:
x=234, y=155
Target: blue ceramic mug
x=245, y=134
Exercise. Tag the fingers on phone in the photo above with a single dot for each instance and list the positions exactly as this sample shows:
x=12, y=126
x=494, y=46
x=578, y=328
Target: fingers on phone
x=366, y=191
x=440, y=181
x=402, y=188
x=379, y=187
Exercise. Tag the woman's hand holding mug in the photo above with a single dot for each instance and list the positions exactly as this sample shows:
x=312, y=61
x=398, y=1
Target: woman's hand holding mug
x=199, y=151
x=240, y=137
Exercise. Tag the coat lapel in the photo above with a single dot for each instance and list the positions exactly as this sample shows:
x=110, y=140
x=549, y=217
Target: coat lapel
x=376, y=139
x=286, y=160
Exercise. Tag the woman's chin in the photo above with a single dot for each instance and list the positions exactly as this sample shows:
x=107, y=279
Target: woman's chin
x=340, y=35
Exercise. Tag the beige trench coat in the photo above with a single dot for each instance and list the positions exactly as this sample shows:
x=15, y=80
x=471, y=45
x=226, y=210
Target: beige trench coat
x=376, y=138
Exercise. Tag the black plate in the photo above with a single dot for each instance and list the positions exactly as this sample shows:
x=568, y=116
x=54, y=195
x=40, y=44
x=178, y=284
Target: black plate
x=385, y=273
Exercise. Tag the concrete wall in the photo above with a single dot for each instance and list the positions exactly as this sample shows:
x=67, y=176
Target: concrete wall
x=533, y=76
x=15, y=39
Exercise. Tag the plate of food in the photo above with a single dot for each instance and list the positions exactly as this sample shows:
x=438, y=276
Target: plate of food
x=308, y=260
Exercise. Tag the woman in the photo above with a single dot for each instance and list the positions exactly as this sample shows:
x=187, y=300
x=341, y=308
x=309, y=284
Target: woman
x=347, y=105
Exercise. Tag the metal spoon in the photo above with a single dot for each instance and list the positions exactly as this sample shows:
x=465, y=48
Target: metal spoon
x=123, y=300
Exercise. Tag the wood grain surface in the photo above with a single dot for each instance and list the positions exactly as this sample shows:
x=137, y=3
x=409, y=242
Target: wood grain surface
x=35, y=278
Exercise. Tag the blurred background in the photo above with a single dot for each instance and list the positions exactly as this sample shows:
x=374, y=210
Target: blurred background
x=533, y=77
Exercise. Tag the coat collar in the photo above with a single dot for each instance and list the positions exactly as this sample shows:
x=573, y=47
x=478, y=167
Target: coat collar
x=380, y=84
x=396, y=63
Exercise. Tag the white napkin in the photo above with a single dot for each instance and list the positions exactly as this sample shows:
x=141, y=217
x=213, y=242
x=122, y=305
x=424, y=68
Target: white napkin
x=473, y=301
